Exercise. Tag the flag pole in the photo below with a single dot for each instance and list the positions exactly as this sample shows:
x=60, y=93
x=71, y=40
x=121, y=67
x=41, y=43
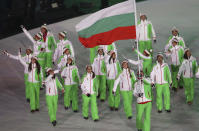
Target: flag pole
x=134, y=3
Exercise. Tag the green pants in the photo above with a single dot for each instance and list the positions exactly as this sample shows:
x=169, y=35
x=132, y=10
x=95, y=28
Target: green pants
x=101, y=83
x=145, y=45
x=165, y=91
x=174, y=72
x=189, y=89
x=27, y=88
x=127, y=97
x=85, y=106
x=51, y=102
x=49, y=56
x=71, y=94
x=34, y=95
x=147, y=68
x=113, y=100
x=141, y=109
x=92, y=55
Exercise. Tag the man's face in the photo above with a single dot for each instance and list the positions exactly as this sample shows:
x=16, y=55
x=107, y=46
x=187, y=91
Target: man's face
x=125, y=65
x=143, y=17
x=89, y=69
x=43, y=30
x=61, y=37
x=174, y=32
x=28, y=52
x=160, y=59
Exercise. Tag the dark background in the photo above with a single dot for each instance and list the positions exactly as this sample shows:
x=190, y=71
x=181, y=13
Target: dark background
x=33, y=13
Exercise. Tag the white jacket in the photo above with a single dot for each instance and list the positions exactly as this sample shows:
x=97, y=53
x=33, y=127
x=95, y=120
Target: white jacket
x=112, y=70
x=87, y=85
x=174, y=55
x=186, y=69
x=142, y=31
x=67, y=73
x=125, y=81
x=52, y=85
x=139, y=88
x=31, y=74
x=63, y=61
x=60, y=49
x=179, y=38
x=97, y=65
x=161, y=74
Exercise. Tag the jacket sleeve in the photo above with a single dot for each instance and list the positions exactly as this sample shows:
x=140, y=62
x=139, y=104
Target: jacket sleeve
x=103, y=67
x=13, y=56
x=168, y=75
x=28, y=35
x=117, y=81
x=23, y=62
x=153, y=32
x=153, y=75
x=182, y=68
x=133, y=79
x=63, y=73
x=55, y=55
x=135, y=93
x=48, y=78
x=59, y=85
x=195, y=66
x=142, y=56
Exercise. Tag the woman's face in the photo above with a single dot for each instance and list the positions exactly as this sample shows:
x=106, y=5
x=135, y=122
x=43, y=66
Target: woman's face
x=174, y=43
x=174, y=32
x=33, y=60
x=188, y=53
x=143, y=17
x=67, y=52
x=125, y=65
x=113, y=55
x=89, y=69
x=51, y=72
x=100, y=52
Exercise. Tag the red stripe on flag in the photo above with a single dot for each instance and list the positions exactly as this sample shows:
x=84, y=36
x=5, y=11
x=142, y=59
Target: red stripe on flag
x=107, y=38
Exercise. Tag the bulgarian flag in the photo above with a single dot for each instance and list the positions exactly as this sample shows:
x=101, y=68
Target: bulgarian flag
x=108, y=25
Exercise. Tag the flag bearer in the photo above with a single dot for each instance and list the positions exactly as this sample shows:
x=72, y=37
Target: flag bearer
x=161, y=79
x=70, y=75
x=89, y=94
x=145, y=34
x=127, y=80
x=143, y=93
x=113, y=70
x=52, y=85
x=188, y=70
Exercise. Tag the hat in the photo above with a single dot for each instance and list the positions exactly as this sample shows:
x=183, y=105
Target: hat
x=146, y=51
x=160, y=54
x=34, y=57
x=63, y=33
x=175, y=40
x=141, y=14
x=99, y=48
x=39, y=35
x=125, y=61
x=186, y=49
x=174, y=28
x=30, y=48
x=44, y=26
x=48, y=69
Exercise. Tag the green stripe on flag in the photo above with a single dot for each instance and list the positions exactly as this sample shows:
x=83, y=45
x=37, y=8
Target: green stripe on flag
x=107, y=24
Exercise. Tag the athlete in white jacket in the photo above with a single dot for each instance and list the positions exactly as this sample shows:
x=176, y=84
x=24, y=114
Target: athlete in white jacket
x=176, y=53
x=63, y=59
x=35, y=78
x=89, y=94
x=143, y=93
x=188, y=70
x=70, y=76
x=61, y=44
x=27, y=58
x=52, y=85
x=127, y=80
x=145, y=33
x=161, y=78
